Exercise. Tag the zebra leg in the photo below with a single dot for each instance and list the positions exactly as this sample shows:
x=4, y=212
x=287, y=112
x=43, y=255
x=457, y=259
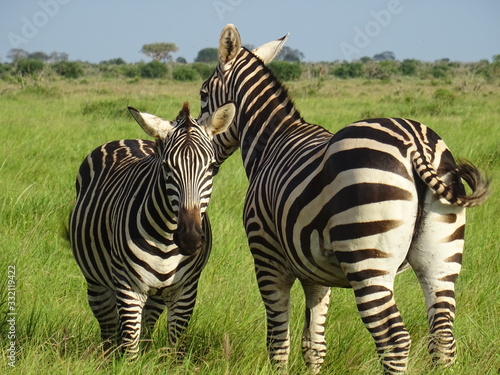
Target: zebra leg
x=152, y=310
x=436, y=257
x=274, y=286
x=180, y=304
x=370, y=264
x=102, y=302
x=313, y=337
x=379, y=313
x=130, y=305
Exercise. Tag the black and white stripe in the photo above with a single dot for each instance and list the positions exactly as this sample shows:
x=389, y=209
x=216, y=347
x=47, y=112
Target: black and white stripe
x=346, y=210
x=139, y=230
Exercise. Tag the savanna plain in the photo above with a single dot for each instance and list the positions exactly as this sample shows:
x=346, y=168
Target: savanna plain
x=48, y=126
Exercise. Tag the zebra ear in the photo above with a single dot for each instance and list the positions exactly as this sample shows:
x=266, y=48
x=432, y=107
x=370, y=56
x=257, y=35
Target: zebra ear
x=229, y=44
x=269, y=51
x=154, y=126
x=220, y=120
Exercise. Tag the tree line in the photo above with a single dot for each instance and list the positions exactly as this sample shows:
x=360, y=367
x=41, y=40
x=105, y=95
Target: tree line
x=288, y=66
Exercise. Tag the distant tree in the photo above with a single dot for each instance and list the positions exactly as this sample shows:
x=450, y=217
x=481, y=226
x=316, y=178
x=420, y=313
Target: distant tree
x=387, y=55
x=116, y=61
x=496, y=58
x=55, y=57
x=159, y=51
x=16, y=54
x=38, y=56
x=290, y=55
x=207, y=55
x=181, y=60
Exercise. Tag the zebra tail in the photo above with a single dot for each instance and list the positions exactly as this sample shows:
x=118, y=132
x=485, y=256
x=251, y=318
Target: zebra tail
x=454, y=192
x=479, y=185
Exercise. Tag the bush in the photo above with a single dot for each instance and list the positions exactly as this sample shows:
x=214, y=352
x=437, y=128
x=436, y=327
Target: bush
x=348, y=70
x=185, y=73
x=382, y=70
x=130, y=71
x=154, y=69
x=5, y=69
x=440, y=70
x=285, y=71
x=204, y=70
x=29, y=66
x=68, y=69
x=409, y=67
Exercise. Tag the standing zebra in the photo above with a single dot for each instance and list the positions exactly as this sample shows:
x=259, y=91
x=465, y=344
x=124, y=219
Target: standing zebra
x=344, y=210
x=139, y=231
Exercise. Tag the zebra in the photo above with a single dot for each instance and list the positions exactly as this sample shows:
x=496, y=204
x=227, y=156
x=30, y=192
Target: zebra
x=139, y=231
x=349, y=210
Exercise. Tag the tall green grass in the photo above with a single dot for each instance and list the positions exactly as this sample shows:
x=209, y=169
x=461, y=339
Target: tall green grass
x=48, y=127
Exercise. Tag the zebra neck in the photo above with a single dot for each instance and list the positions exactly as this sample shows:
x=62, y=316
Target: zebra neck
x=267, y=116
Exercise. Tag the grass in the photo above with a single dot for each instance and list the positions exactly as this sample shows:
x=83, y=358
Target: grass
x=47, y=128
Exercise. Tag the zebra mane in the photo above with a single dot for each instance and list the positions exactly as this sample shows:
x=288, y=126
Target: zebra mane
x=184, y=117
x=284, y=90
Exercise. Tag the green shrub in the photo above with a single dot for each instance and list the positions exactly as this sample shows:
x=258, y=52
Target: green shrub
x=348, y=70
x=285, y=71
x=440, y=70
x=154, y=69
x=5, y=69
x=409, y=67
x=204, y=70
x=185, y=73
x=29, y=66
x=68, y=69
x=382, y=70
x=130, y=71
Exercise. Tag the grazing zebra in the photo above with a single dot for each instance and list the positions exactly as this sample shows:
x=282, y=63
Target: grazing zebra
x=344, y=210
x=139, y=231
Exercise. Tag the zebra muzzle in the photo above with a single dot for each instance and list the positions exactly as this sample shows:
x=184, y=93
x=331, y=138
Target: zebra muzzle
x=189, y=235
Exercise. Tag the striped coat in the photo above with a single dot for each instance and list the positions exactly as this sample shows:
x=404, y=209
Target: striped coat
x=139, y=231
x=345, y=210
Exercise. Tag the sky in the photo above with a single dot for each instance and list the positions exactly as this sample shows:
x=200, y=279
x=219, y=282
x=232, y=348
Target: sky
x=323, y=30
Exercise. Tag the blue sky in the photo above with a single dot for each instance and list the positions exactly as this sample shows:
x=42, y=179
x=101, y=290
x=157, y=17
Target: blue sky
x=327, y=30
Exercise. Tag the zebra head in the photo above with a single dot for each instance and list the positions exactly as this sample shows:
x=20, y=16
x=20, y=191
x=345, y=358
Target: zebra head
x=235, y=61
x=187, y=161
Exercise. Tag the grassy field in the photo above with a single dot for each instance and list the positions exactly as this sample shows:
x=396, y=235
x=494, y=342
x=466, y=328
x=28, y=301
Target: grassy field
x=48, y=127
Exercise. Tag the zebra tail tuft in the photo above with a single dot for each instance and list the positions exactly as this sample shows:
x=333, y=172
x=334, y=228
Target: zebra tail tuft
x=479, y=185
x=453, y=192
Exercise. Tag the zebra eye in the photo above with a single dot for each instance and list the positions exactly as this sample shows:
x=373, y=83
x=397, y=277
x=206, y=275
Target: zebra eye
x=214, y=167
x=203, y=95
